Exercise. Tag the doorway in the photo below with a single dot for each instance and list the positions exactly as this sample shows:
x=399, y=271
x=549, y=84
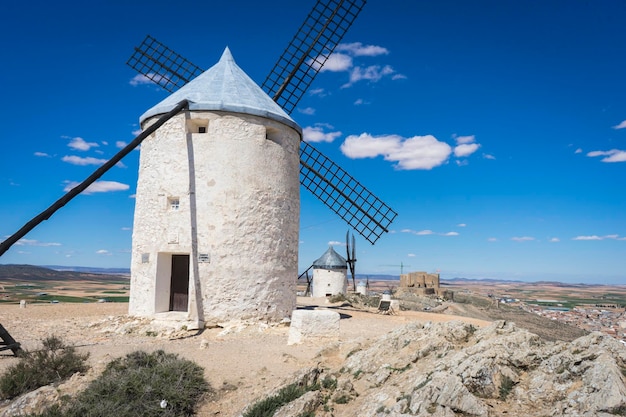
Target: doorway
x=179, y=284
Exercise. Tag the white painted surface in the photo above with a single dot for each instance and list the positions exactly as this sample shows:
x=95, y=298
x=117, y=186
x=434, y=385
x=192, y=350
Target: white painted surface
x=329, y=282
x=239, y=203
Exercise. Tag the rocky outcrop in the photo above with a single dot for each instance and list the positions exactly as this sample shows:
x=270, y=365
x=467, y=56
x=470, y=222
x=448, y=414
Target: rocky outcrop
x=454, y=369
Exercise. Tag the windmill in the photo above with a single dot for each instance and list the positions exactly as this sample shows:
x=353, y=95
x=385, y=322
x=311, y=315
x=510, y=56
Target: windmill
x=351, y=256
x=184, y=249
x=289, y=79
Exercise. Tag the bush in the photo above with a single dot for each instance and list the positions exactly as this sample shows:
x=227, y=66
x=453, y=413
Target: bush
x=505, y=387
x=140, y=385
x=55, y=362
x=267, y=407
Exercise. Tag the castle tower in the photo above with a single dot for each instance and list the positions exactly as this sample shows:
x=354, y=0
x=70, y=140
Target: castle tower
x=215, y=234
x=329, y=274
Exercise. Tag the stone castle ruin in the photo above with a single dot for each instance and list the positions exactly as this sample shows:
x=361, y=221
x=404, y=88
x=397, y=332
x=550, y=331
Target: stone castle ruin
x=420, y=283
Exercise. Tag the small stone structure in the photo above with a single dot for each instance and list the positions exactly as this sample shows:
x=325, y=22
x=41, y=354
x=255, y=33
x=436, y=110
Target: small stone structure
x=421, y=283
x=317, y=324
x=329, y=274
x=215, y=234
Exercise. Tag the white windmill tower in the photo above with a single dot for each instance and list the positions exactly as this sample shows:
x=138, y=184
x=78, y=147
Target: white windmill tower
x=330, y=274
x=217, y=204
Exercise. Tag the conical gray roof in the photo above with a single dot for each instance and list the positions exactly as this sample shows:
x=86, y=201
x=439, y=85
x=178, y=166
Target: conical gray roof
x=330, y=260
x=224, y=87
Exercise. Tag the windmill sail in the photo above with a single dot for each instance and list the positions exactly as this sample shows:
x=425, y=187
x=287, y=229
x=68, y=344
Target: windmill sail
x=343, y=194
x=309, y=49
x=162, y=65
x=295, y=70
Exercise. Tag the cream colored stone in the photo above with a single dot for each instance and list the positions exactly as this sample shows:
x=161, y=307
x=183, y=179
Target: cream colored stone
x=229, y=198
x=318, y=324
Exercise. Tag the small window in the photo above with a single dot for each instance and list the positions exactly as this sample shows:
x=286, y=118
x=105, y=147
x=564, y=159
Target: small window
x=197, y=125
x=145, y=258
x=173, y=203
x=203, y=257
x=272, y=134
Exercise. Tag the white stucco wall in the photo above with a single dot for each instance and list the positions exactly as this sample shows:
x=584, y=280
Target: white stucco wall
x=329, y=281
x=238, y=187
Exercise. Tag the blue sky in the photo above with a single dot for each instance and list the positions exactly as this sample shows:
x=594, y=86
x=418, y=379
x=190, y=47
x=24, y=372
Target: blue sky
x=496, y=129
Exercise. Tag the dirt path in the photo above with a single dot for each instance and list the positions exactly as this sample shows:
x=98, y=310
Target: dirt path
x=241, y=365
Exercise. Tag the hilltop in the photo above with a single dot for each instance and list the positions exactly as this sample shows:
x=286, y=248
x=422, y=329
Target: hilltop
x=409, y=364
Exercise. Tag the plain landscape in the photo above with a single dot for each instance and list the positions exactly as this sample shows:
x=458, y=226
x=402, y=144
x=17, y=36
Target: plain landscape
x=373, y=357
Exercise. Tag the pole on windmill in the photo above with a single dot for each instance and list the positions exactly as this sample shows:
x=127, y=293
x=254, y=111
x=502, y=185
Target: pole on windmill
x=47, y=213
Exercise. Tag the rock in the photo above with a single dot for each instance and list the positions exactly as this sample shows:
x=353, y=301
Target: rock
x=318, y=324
x=447, y=369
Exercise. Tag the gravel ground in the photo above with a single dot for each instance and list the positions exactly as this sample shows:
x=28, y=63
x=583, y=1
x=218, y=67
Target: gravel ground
x=241, y=364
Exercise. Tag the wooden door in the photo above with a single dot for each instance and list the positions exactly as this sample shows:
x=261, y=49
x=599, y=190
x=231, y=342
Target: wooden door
x=179, y=287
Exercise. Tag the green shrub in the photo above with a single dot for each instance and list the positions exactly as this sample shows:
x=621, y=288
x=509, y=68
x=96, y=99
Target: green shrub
x=55, y=362
x=141, y=385
x=505, y=387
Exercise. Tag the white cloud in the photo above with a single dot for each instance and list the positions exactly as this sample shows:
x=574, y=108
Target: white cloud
x=622, y=125
x=579, y=150
x=337, y=62
x=492, y=239
x=126, y=228
x=336, y=243
x=465, y=149
x=417, y=152
x=592, y=237
x=614, y=155
x=464, y=139
x=320, y=92
x=596, y=237
x=42, y=154
x=316, y=134
x=343, y=60
x=411, y=255
x=360, y=102
x=81, y=145
x=309, y=111
x=103, y=252
x=136, y=133
x=120, y=144
x=77, y=160
x=428, y=232
x=98, y=186
x=33, y=242
x=461, y=225
x=372, y=73
x=140, y=79
x=522, y=238
x=358, y=49
x=554, y=239
x=488, y=156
